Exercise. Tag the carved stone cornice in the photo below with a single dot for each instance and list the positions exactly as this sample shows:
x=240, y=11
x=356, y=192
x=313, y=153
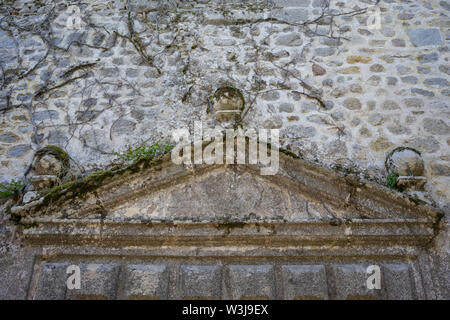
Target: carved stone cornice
x=230, y=204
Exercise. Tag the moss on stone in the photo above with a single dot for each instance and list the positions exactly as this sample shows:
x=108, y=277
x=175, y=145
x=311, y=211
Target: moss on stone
x=345, y=170
x=289, y=153
x=229, y=225
x=30, y=225
x=15, y=218
x=417, y=201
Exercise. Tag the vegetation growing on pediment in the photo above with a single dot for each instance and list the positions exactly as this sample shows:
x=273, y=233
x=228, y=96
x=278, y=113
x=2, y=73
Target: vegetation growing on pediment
x=135, y=160
x=151, y=151
x=11, y=189
x=391, y=180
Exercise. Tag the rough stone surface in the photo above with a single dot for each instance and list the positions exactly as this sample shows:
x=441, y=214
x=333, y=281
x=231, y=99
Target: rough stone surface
x=148, y=100
x=352, y=103
x=318, y=70
x=30, y=195
x=48, y=165
x=436, y=126
x=228, y=104
x=343, y=95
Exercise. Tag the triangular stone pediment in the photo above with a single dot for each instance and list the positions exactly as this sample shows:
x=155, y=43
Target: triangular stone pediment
x=302, y=198
x=161, y=190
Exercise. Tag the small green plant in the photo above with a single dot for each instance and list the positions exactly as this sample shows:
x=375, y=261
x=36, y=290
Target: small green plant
x=10, y=189
x=147, y=152
x=391, y=180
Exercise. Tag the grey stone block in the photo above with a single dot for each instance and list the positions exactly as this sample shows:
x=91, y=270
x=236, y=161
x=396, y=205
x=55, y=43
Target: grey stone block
x=19, y=150
x=350, y=283
x=422, y=92
x=437, y=82
x=98, y=281
x=203, y=282
x=144, y=5
x=123, y=127
x=292, y=3
x=8, y=137
x=425, y=37
x=397, y=279
x=146, y=281
x=324, y=51
x=45, y=115
x=52, y=282
x=252, y=282
x=291, y=39
x=294, y=15
x=428, y=57
x=436, y=126
x=286, y=107
x=409, y=80
x=304, y=282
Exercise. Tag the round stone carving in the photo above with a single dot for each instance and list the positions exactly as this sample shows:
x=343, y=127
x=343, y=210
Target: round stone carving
x=228, y=104
x=405, y=162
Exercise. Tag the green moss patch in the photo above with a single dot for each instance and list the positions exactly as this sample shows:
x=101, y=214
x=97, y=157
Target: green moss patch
x=391, y=180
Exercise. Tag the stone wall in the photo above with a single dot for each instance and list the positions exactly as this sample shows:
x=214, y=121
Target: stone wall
x=342, y=94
